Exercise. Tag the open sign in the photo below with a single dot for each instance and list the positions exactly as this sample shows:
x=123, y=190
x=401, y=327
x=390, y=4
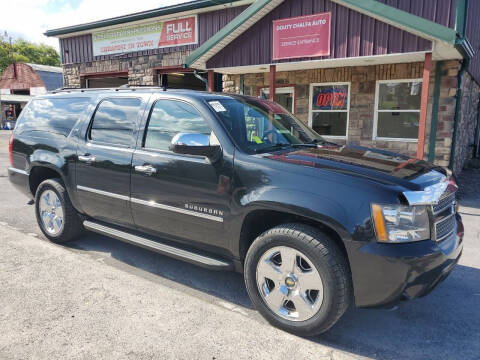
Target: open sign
x=328, y=98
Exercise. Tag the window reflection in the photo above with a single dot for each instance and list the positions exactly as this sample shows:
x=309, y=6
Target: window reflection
x=169, y=118
x=114, y=121
x=53, y=115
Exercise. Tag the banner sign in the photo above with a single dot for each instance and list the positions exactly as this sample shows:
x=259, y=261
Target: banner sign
x=160, y=34
x=304, y=36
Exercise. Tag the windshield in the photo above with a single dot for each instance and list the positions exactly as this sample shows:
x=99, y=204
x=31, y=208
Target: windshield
x=259, y=125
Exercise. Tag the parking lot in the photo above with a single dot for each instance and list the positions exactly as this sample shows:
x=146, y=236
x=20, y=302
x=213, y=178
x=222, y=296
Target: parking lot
x=97, y=297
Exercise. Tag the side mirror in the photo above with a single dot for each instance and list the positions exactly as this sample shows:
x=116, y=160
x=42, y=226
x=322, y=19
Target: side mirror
x=195, y=144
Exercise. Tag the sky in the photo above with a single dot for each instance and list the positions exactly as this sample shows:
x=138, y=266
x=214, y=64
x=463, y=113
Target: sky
x=29, y=19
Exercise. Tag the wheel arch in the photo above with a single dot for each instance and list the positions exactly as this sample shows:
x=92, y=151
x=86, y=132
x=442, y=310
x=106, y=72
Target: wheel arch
x=40, y=173
x=258, y=221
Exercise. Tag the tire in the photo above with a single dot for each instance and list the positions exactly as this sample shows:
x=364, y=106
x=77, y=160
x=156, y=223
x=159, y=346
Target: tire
x=312, y=254
x=52, y=194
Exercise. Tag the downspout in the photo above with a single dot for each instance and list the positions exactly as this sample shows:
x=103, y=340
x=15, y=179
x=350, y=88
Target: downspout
x=242, y=84
x=460, y=26
x=477, y=134
x=434, y=124
x=461, y=17
x=60, y=51
x=458, y=107
x=200, y=77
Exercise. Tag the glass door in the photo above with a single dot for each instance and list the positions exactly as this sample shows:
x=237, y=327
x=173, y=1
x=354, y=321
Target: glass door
x=284, y=96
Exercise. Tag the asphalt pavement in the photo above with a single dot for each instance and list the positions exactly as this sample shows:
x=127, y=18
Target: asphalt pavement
x=100, y=298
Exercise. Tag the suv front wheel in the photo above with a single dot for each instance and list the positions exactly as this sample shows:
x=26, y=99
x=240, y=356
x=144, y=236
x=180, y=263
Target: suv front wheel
x=298, y=279
x=56, y=216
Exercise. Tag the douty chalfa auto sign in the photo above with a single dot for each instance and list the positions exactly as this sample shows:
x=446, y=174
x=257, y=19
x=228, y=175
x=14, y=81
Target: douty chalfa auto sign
x=304, y=36
x=154, y=35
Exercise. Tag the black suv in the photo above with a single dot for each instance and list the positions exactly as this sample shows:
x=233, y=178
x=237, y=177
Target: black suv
x=232, y=182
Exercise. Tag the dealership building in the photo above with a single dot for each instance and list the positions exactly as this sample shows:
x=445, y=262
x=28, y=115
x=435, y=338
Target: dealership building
x=399, y=75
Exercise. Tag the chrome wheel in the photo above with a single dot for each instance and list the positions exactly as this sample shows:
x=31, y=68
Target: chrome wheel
x=51, y=212
x=289, y=283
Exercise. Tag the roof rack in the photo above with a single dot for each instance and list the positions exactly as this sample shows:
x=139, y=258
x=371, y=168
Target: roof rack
x=125, y=87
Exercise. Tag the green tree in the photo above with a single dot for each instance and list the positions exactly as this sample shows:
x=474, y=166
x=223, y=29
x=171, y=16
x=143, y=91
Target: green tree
x=25, y=51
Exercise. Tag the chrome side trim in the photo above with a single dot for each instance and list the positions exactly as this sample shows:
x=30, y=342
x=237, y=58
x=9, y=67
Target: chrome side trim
x=176, y=209
x=104, y=193
x=430, y=195
x=108, y=147
x=152, y=204
x=18, y=171
x=168, y=250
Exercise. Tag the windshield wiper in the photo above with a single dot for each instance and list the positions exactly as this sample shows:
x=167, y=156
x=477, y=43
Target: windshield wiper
x=278, y=146
x=281, y=146
x=310, y=145
x=317, y=141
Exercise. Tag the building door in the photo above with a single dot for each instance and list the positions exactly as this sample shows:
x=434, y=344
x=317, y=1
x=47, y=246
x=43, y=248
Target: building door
x=284, y=96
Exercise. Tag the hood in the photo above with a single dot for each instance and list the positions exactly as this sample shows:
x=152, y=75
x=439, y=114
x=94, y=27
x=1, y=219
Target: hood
x=377, y=165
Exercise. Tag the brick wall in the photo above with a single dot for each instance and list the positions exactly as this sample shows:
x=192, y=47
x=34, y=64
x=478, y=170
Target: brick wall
x=140, y=69
x=362, y=100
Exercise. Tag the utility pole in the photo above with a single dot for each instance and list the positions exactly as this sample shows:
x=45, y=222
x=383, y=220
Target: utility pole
x=5, y=37
x=12, y=58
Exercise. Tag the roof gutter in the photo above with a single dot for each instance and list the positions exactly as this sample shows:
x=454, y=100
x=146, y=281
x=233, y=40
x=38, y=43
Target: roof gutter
x=167, y=10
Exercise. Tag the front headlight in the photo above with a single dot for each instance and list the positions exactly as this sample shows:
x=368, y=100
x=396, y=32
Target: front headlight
x=400, y=224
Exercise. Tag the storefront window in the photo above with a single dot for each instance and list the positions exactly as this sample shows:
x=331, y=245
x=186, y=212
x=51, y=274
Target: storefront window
x=329, y=107
x=397, y=109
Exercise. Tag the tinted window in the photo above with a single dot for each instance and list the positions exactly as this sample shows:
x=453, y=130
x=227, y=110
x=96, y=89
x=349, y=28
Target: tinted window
x=114, y=121
x=169, y=118
x=57, y=115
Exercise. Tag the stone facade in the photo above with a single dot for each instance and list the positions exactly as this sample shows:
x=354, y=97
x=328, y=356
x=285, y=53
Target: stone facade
x=362, y=100
x=141, y=70
x=467, y=122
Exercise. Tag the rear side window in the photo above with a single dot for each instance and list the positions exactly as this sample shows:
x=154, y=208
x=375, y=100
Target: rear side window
x=57, y=115
x=170, y=117
x=114, y=121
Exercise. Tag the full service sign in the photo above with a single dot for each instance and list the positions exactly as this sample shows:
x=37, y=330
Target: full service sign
x=149, y=36
x=304, y=36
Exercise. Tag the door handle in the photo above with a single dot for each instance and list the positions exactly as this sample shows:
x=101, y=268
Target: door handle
x=146, y=169
x=86, y=158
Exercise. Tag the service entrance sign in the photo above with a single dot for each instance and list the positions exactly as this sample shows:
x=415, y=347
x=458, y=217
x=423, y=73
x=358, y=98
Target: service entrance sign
x=148, y=36
x=304, y=36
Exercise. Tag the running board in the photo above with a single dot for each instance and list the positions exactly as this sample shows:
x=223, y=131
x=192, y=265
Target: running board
x=177, y=253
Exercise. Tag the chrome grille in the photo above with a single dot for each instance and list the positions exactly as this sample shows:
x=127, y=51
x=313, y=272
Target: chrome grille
x=447, y=200
x=445, y=227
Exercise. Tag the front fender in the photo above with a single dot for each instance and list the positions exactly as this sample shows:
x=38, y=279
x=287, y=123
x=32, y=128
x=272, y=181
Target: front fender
x=300, y=203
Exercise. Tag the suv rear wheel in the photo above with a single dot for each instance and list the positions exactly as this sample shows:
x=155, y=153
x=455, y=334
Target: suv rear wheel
x=298, y=279
x=56, y=216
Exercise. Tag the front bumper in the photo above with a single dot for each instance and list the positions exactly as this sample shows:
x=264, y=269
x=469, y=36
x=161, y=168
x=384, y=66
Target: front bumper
x=383, y=274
